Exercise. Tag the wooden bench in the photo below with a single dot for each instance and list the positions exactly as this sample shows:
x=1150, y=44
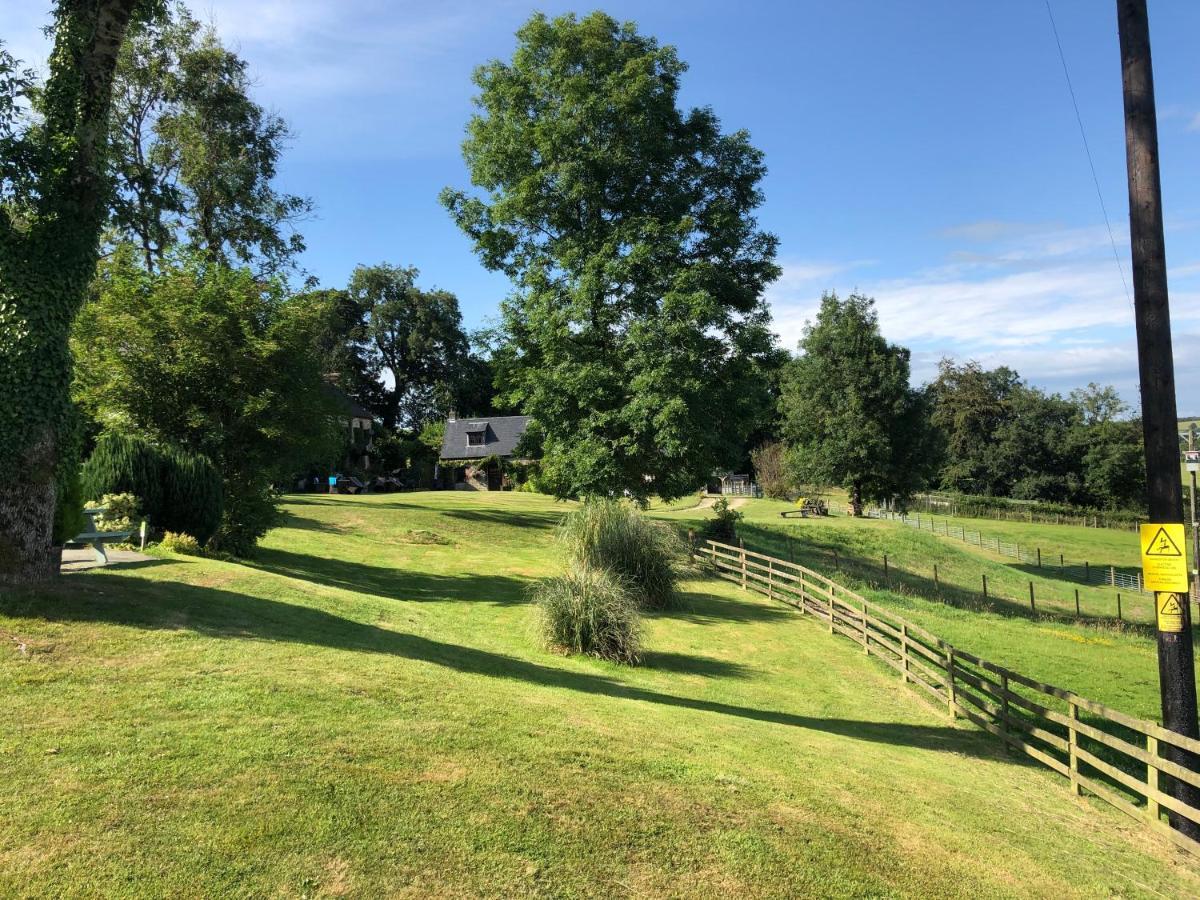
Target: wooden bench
x=97, y=539
x=806, y=508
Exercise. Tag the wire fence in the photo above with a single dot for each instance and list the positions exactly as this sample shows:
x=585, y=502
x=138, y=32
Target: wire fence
x=926, y=580
x=1083, y=572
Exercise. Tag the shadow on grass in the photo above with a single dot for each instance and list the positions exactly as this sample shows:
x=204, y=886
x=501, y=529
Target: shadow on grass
x=515, y=518
x=394, y=584
x=708, y=609
x=224, y=614
x=689, y=664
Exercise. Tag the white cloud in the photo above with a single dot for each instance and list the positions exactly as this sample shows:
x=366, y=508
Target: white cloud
x=1048, y=302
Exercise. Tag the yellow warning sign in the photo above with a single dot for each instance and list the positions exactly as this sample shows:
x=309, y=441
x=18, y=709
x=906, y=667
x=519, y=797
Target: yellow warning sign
x=1164, y=567
x=1170, y=612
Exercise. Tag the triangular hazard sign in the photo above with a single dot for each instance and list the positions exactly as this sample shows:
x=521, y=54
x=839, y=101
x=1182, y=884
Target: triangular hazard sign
x=1162, y=545
x=1171, y=607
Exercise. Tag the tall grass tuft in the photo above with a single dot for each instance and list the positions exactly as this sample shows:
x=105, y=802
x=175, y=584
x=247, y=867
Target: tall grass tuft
x=589, y=611
x=613, y=535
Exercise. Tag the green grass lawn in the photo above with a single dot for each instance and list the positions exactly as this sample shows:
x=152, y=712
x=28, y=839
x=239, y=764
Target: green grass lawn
x=364, y=711
x=1106, y=661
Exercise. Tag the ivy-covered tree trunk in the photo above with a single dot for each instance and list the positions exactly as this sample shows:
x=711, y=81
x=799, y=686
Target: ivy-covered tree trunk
x=48, y=245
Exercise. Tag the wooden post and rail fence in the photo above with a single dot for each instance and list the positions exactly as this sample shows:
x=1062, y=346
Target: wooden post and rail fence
x=1099, y=750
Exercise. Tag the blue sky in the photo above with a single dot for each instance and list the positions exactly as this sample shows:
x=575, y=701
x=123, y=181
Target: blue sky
x=924, y=154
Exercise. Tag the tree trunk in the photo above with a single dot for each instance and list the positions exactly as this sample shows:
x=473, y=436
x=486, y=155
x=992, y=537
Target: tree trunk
x=27, y=504
x=45, y=268
x=856, y=508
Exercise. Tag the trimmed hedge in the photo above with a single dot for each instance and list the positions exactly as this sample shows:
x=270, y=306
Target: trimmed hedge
x=179, y=491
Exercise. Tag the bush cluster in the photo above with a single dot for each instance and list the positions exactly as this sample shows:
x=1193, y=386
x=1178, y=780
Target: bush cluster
x=618, y=564
x=179, y=491
x=723, y=525
x=122, y=512
x=180, y=543
x=589, y=611
x=613, y=535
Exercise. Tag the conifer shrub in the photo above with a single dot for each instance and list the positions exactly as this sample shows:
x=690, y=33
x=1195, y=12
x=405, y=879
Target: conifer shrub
x=193, y=494
x=179, y=491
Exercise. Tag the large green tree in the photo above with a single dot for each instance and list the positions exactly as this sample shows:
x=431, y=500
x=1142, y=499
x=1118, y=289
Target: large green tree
x=414, y=337
x=218, y=361
x=849, y=414
x=970, y=405
x=636, y=328
x=53, y=205
x=194, y=156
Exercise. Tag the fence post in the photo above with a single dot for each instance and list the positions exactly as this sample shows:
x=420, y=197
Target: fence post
x=1152, y=809
x=1087, y=573
x=1119, y=618
x=936, y=584
x=742, y=547
x=985, y=596
x=952, y=696
x=836, y=564
x=770, y=578
x=1004, y=710
x=1032, y=606
x=1039, y=552
x=1072, y=743
x=885, y=567
x=1077, y=601
x=904, y=651
x=866, y=634
x=1061, y=562
x=691, y=543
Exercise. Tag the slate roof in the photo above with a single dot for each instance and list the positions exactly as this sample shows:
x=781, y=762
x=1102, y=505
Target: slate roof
x=500, y=437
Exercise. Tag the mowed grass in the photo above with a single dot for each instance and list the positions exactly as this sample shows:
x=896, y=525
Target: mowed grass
x=1115, y=663
x=364, y=711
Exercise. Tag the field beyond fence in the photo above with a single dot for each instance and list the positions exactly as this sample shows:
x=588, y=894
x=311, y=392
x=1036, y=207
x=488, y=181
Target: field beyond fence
x=1083, y=572
x=1127, y=762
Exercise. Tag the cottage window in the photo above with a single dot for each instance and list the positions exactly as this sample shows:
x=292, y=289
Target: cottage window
x=475, y=438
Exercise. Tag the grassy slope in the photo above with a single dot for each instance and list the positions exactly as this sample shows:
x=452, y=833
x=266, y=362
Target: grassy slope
x=364, y=712
x=1113, y=664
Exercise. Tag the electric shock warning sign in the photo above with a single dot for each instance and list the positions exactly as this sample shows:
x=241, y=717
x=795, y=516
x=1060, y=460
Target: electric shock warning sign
x=1164, y=566
x=1170, y=612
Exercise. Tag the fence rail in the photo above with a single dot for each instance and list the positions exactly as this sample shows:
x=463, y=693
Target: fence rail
x=1123, y=760
x=1083, y=572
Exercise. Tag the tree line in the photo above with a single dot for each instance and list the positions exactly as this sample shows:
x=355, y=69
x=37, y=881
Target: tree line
x=150, y=285
x=848, y=416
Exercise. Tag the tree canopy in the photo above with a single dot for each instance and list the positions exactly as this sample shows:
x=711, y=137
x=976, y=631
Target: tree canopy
x=217, y=361
x=194, y=157
x=637, y=331
x=848, y=411
x=413, y=335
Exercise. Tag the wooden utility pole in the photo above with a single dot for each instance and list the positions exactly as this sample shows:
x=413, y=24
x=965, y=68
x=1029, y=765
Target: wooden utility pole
x=1156, y=369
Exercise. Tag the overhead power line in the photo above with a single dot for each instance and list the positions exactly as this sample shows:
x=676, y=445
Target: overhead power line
x=1088, y=151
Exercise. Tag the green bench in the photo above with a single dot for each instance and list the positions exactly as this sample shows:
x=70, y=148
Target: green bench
x=96, y=538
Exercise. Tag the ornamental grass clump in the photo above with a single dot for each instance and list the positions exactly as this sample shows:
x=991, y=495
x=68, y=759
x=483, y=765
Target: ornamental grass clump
x=615, y=536
x=589, y=610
